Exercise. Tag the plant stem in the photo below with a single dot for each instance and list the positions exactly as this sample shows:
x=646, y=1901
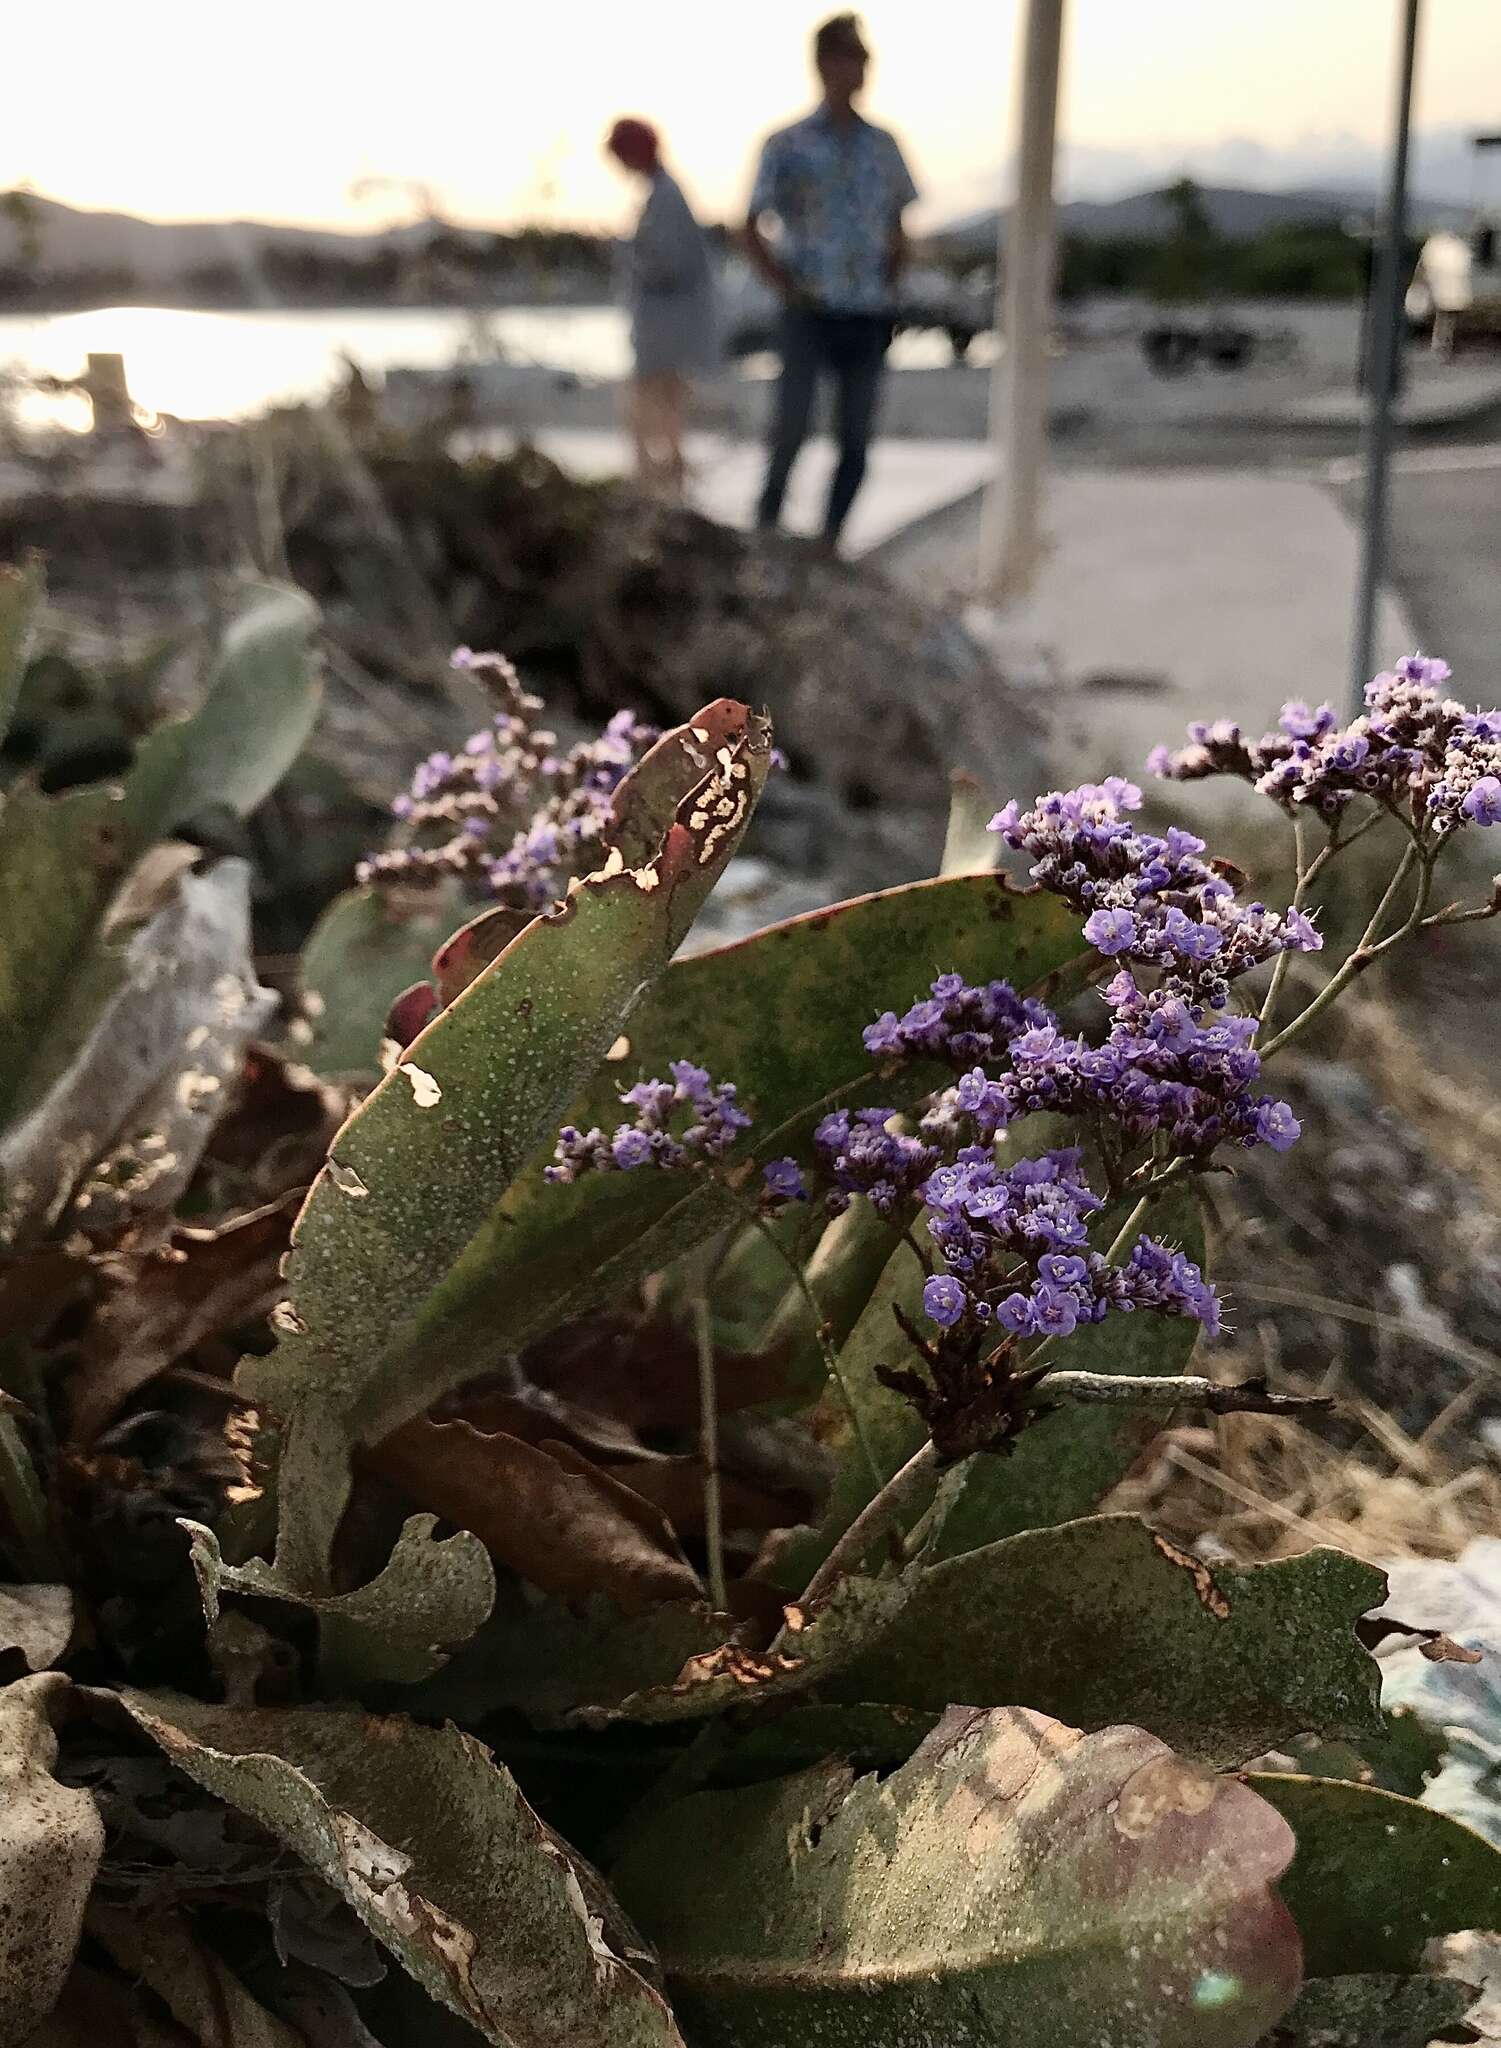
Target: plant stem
x=872, y=1521
x=1370, y=948
x=1249, y=1398
x=708, y=1440
x=1128, y=1229
x=1300, y=891
x=820, y=1326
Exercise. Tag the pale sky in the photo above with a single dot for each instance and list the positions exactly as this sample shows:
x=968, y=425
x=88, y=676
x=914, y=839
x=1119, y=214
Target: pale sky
x=181, y=110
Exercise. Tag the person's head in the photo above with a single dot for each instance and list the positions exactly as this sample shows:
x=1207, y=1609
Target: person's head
x=634, y=144
x=841, y=58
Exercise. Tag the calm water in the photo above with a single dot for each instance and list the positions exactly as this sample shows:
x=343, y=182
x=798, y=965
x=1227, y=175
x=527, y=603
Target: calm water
x=223, y=365
x=226, y=365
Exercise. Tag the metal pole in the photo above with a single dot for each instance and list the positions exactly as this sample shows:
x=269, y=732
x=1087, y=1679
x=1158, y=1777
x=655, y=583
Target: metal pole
x=1385, y=357
x=1010, y=523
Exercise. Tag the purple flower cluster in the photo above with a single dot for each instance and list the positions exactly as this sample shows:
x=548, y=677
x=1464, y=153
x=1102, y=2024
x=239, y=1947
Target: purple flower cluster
x=1014, y=1242
x=1162, y=1069
x=1150, y=899
x=862, y=1156
x=509, y=814
x=955, y=1023
x=707, y=1118
x=1412, y=748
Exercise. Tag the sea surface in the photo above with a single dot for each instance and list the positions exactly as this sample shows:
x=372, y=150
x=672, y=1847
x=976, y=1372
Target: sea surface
x=216, y=365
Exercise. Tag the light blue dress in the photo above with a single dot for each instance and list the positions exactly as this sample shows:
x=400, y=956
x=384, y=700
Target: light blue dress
x=670, y=286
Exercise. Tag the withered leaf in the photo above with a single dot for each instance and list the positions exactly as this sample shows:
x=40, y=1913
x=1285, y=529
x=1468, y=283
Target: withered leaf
x=545, y=1511
x=162, y=1302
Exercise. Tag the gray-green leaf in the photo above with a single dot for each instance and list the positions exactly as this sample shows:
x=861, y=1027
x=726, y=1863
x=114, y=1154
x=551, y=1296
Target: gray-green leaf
x=1014, y=1885
x=436, y=1850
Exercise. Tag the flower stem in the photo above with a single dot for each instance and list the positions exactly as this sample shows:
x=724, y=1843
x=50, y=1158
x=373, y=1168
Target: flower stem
x=1128, y=1229
x=872, y=1521
x=1370, y=948
x=708, y=1443
x=820, y=1327
x=1251, y=1397
x=1300, y=891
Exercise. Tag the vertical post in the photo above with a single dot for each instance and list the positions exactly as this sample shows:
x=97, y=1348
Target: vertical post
x=1011, y=517
x=1386, y=304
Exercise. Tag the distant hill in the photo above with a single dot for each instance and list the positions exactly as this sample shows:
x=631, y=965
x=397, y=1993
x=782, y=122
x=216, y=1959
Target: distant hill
x=69, y=240
x=1237, y=212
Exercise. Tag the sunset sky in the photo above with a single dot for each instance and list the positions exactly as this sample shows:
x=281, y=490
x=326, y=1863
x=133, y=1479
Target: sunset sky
x=177, y=110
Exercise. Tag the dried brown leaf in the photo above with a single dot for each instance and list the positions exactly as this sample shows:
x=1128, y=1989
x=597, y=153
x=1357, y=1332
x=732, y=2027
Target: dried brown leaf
x=545, y=1511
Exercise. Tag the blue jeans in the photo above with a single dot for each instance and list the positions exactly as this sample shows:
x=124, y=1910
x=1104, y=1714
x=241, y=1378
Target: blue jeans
x=851, y=347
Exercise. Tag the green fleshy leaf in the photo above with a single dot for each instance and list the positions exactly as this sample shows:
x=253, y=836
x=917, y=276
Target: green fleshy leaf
x=1376, y=2012
x=368, y=947
x=60, y=861
x=1100, y=1620
x=806, y=1652
x=62, y=858
x=1015, y=1884
x=781, y=1015
x=866, y=1737
x=1377, y=1876
x=432, y=1594
x=21, y=594
x=260, y=705
x=421, y=1164
x=431, y=1843
x=548, y=1659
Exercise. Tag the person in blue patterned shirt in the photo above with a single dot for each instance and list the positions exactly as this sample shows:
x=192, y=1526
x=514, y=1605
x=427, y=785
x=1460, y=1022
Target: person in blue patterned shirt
x=836, y=187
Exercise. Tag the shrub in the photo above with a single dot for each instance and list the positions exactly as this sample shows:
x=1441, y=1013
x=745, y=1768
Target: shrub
x=679, y=1410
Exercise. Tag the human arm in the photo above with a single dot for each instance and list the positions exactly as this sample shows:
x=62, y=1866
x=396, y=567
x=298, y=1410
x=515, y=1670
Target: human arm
x=903, y=193
x=763, y=253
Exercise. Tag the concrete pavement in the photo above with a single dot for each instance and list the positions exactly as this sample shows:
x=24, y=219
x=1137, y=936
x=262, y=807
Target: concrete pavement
x=1168, y=596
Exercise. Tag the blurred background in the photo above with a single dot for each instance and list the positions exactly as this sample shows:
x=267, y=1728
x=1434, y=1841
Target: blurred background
x=341, y=297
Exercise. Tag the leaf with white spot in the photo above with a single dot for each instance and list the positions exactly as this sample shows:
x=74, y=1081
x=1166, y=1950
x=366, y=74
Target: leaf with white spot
x=1015, y=1885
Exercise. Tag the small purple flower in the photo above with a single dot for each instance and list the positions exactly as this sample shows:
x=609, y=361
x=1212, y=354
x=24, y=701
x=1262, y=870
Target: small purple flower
x=1110, y=931
x=630, y=1147
x=1057, y=1312
x=1277, y=1126
x=784, y=1181
x=944, y=1300
x=885, y=1035
x=1017, y=1314
x=1483, y=804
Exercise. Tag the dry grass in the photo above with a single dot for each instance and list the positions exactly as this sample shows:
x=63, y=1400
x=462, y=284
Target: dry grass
x=1255, y=1487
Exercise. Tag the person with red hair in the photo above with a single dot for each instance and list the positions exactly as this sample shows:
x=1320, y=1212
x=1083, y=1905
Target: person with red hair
x=671, y=292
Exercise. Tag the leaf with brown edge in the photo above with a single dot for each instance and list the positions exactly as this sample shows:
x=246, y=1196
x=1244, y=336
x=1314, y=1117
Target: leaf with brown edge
x=1015, y=1884
x=781, y=1014
x=160, y=1303
x=471, y=949
x=1099, y=1620
x=546, y=1512
x=433, y=1845
x=808, y=1650
x=433, y=1148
